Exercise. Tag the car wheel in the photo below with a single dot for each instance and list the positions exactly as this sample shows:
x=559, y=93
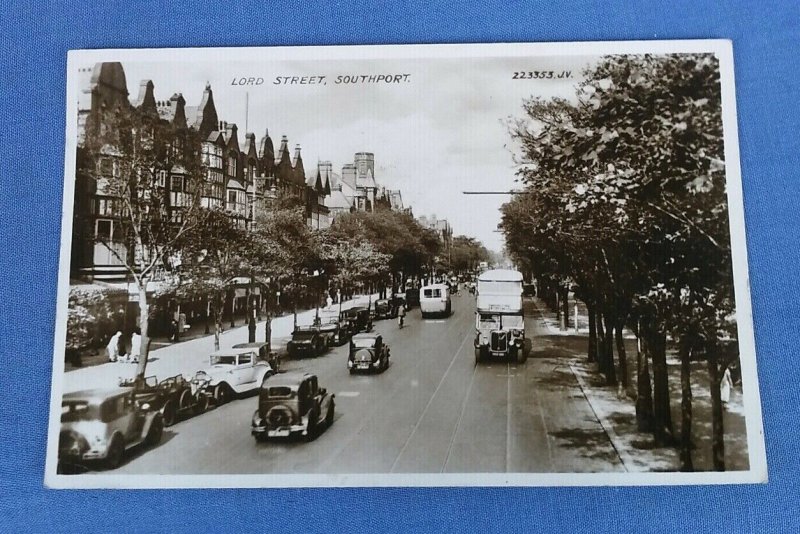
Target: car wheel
x=221, y=394
x=311, y=429
x=186, y=402
x=202, y=404
x=478, y=355
x=115, y=452
x=352, y=371
x=329, y=415
x=156, y=431
x=169, y=413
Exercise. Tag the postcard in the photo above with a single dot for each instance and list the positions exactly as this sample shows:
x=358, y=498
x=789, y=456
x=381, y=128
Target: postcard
x=419, y=265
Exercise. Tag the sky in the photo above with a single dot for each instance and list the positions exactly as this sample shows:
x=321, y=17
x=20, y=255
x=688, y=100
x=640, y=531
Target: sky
x=440, y=131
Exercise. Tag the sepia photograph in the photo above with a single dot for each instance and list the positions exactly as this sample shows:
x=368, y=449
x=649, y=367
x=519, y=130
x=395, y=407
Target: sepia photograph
x=415, y=265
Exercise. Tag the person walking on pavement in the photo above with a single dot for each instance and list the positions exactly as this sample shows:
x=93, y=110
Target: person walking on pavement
x=725, y=386
x=401, y=315
x=113, y=347
x=136, y=347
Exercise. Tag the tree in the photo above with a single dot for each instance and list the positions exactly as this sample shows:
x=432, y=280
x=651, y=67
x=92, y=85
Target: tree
x=466, y=253
x=150, y=177
x=214, y=252
x=626, y=196
x=285, y=251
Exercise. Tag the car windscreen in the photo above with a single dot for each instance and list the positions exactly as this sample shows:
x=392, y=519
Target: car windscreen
x=488, y=320
x=302, y=336
x=223, y=359
x=279, y=391
x=72, y=411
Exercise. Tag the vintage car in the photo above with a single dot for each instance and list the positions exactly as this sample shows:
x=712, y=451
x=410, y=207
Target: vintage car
x=307, y=341
x=264, y=354
x=233, y=372
x=292, y=403
x=385, y=309
x=335, y=329
x=175, y=397
x=412, y=298
x=368, y=352
x=359, y=318
x=101, y=424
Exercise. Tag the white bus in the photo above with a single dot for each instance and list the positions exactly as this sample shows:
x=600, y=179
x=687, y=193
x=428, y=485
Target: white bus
x=435, y=300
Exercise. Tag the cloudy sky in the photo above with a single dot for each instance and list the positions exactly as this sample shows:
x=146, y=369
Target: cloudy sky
x=435, y=136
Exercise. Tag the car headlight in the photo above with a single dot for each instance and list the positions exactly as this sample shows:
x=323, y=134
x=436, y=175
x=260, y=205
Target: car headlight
x=257, y=421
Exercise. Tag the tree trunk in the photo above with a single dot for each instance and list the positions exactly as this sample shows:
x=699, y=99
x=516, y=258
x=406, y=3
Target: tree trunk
x=565, y=309
x=601, y=341
x=644, y=391
x=144, y=312
x=608, y=352
x=621, y=356
x=686, y=408
x=592, y=350
x=662, y=414
x=717, y=430
x=268, y=331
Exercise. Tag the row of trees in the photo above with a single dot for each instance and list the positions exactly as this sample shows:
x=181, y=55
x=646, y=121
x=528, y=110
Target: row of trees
x=625, y=203
x=165, y=223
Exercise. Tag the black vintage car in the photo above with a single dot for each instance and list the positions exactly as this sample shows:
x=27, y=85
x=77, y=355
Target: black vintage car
x=359, y=318
x=307, y=341
x=336, y=330
x=292, y=403
x=175, y=397
x=412, y=298
x=368, y=352
x=264, y=354
x=385, y=309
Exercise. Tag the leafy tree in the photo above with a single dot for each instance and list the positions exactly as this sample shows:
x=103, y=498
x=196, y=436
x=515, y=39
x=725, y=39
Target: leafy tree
x=137, y=154
x=626, y=198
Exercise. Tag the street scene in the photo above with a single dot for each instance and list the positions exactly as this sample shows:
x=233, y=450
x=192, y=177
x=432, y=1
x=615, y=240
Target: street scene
x=541, y=283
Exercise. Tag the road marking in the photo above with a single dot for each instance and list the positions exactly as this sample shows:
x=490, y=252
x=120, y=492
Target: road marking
x=430, y=401
x=460, y=417
x=348, y=394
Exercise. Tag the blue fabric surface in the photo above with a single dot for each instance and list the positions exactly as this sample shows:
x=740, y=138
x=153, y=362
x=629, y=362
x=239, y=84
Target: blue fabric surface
x=34, y=38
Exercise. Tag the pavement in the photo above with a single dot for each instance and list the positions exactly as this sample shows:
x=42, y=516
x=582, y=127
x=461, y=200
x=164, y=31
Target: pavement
x=186, y=357
x=617, y=413
x=433, y=410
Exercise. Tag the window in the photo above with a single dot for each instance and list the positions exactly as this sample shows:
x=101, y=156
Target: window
x=105, y=206
x=176, y=182
x=433, y=293
x=103, y=229
x=245, y=358
x=232, y=164
x=161, y=178
x=232, y=196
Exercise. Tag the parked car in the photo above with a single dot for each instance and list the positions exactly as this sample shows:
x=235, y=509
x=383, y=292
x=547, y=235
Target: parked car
x=307, y=341
x=292, y=403
x=412, y=298
x=264, y=354
x=336, y=329
x=175, y=397
x=385, y=309
x=368, y=352
x=101, y=424
x=359, y=318
x=233, y=372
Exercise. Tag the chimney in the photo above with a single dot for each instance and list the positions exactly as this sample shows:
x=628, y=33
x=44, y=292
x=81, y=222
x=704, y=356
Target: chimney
x=296, y=152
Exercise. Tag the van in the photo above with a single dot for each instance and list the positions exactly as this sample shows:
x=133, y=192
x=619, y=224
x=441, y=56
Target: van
x=434, y=299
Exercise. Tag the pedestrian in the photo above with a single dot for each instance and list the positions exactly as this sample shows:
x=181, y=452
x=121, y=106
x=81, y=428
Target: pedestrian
x=181, y=325
x=725, y=386
x=329, y=301
x=113, y=347
x=136, y=346
x=173, y=330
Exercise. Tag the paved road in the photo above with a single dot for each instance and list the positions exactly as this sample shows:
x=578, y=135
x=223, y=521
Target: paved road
x=432, y=411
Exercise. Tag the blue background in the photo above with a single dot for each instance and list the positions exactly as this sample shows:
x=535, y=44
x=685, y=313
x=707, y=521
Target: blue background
x=34, y=39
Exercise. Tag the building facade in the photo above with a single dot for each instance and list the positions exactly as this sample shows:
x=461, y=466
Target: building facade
x=240, y=170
